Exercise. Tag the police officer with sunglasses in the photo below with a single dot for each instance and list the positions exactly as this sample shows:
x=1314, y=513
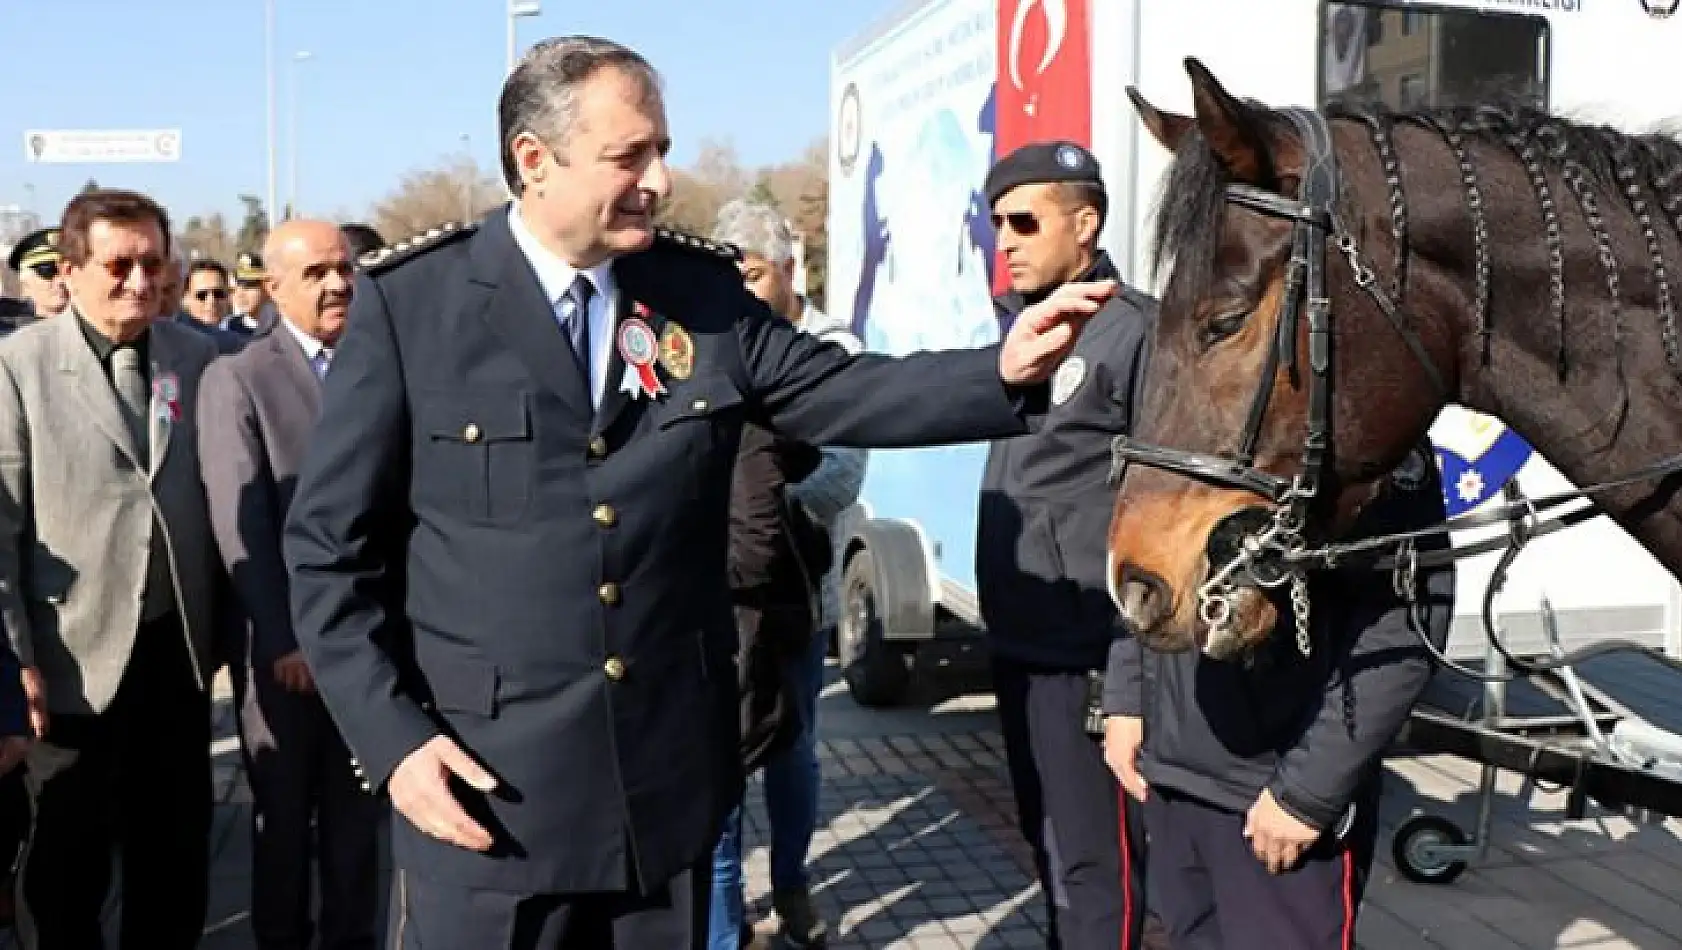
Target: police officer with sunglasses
x=1040, y=554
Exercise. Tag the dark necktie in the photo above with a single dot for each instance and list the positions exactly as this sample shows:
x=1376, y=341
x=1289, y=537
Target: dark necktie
x=578, y=323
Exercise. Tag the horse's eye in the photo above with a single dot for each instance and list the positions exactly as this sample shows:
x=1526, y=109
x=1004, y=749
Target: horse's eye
x=1223, y=325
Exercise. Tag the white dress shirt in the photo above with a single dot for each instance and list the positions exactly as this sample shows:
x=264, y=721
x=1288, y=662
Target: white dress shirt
x=315, y=351
x=556, y=277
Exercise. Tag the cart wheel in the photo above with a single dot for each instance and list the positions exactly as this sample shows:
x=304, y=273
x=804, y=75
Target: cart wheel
x=1415, y=847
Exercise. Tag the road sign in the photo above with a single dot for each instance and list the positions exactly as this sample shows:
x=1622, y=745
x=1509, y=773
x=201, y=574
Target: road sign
x=99, y=146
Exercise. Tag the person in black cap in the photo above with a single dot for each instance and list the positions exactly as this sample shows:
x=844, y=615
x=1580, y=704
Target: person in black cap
x=362, y=238
x=1040, y=554
x=36, y=260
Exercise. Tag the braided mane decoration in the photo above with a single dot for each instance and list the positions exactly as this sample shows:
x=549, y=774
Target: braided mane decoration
x=1607, y=173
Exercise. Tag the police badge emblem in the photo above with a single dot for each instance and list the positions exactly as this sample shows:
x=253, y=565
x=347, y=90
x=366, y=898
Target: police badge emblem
x=677, y=351
x=1067, y=379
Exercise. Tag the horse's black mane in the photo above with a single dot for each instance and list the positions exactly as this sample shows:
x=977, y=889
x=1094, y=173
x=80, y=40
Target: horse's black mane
x=1601, y=167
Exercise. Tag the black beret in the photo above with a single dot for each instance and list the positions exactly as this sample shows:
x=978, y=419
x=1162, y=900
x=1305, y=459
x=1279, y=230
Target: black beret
x=36, y=247
x=1042, y=162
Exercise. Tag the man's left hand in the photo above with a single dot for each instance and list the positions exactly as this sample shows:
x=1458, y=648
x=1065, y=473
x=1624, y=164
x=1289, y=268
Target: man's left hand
x=1045, y=333
x=1277, y=839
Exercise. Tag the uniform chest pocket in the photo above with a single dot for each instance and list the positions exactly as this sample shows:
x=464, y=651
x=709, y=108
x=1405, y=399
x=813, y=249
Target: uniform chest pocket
x=476, y=456
x=704, y=416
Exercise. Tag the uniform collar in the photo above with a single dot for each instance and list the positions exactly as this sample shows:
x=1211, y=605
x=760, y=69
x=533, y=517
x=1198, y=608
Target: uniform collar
x=554, y=274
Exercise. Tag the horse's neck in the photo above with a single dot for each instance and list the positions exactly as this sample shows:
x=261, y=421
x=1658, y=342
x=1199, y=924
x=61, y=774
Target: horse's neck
x=1598, y=422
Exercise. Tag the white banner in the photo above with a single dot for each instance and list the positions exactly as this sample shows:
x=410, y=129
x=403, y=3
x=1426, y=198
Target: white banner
x=93, y=146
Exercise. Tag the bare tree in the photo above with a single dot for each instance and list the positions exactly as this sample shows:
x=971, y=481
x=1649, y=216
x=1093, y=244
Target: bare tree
x=254, y=230
x=458, y=190
x=208, y=237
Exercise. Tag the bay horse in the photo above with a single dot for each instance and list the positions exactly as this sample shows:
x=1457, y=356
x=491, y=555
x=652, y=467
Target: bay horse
x=1335, y=279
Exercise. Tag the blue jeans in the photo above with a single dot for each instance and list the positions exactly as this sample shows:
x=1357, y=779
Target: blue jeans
x=791, y=803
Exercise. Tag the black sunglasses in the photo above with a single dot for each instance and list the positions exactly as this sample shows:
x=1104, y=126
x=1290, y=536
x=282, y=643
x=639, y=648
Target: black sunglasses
x=1022, y=222
x=215, y=293
x=46, y=271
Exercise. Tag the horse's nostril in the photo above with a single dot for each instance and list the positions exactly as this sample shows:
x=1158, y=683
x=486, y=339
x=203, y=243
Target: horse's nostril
x=1144, y=599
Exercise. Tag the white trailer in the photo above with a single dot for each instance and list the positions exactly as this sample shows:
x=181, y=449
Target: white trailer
x=923, y=103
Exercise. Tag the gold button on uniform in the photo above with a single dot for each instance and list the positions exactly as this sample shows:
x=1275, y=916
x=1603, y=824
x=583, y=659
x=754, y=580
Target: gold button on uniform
x=605, y=516
x=609, y=594
x=598, y=448
x=614, y=668
x=470, y=433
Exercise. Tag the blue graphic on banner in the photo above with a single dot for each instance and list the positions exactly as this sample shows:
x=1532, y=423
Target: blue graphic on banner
x=1469, y=482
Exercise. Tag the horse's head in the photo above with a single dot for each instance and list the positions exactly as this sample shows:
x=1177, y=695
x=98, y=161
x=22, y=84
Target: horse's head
x=1230, y=453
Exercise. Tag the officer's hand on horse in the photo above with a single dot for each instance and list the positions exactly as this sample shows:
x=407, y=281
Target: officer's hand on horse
x=1045, y=333
x=420, y=791
x=1277, y=838
x=1123, y=736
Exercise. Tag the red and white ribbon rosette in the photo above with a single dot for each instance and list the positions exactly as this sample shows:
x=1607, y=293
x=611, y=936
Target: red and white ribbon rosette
x=638, y=347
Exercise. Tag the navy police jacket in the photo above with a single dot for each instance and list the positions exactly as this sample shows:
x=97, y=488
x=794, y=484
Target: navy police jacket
x=1046, y=503
x=474, y=550
x=1312, y=729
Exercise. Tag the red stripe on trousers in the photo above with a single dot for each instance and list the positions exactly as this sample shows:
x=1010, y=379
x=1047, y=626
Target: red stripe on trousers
x=1126, y=874
x=1348, y=899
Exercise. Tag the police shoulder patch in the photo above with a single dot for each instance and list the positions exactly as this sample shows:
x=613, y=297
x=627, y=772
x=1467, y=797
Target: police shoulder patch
x=680, y=240
x=385, y=258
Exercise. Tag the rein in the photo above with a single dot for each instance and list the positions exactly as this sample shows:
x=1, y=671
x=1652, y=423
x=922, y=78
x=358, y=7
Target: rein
x=1271, y=551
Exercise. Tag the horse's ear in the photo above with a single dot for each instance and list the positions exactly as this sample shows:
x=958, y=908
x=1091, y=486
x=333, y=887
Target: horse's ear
x=1169, y=128
x=1230, y=128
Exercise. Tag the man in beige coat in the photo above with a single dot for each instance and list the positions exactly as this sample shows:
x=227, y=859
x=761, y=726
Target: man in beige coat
x=106, y=572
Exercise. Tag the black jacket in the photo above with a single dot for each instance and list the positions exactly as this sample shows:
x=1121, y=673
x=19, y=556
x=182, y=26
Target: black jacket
x=1045, y=499
x=476, y=550
x=774, y=590
x=1311, y=729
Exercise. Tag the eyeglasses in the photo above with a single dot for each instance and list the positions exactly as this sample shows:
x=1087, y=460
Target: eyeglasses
x=1023, y=223
x=120, y=267
x=46, y=271
x=213, y=293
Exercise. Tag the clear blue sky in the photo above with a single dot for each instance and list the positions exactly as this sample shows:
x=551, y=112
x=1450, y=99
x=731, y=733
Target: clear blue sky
x=392, y=87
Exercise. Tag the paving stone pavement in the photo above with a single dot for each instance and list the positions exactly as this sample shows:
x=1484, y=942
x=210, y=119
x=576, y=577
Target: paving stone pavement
x=917, y=850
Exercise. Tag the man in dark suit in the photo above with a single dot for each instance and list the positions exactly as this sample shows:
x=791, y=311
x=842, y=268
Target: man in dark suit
x=508, y=541
x=257, y=411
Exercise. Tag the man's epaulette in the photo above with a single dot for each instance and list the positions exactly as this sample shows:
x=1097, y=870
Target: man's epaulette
x=385, y=258
x=666, y=237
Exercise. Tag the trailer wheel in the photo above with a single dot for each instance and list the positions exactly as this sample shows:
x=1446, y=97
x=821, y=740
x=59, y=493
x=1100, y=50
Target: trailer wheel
x=877, y=673
x=1417, y=849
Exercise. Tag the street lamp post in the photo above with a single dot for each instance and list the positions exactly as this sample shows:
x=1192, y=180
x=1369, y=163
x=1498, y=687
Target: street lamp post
x=517, y=9
x=268, y=69
x=292, y=134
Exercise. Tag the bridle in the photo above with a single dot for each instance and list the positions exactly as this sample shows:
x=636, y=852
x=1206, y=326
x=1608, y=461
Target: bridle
x=1268, y=547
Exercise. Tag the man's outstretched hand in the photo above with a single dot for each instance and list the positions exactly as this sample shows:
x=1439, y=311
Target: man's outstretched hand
x=1045, y=333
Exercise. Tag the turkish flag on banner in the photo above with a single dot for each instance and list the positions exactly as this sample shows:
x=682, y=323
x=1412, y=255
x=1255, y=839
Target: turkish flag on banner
x=1044, y=87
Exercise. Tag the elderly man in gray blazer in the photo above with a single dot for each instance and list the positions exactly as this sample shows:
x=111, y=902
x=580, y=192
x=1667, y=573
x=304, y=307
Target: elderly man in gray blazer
x=257, y=411
x=106, y=573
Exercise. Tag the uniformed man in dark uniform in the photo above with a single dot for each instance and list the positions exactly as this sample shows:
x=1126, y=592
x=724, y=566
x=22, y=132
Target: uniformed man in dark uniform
x=508, y=543
x=1261, y=775
x=1040, y=553
x=36, y=259
x=252, y=315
